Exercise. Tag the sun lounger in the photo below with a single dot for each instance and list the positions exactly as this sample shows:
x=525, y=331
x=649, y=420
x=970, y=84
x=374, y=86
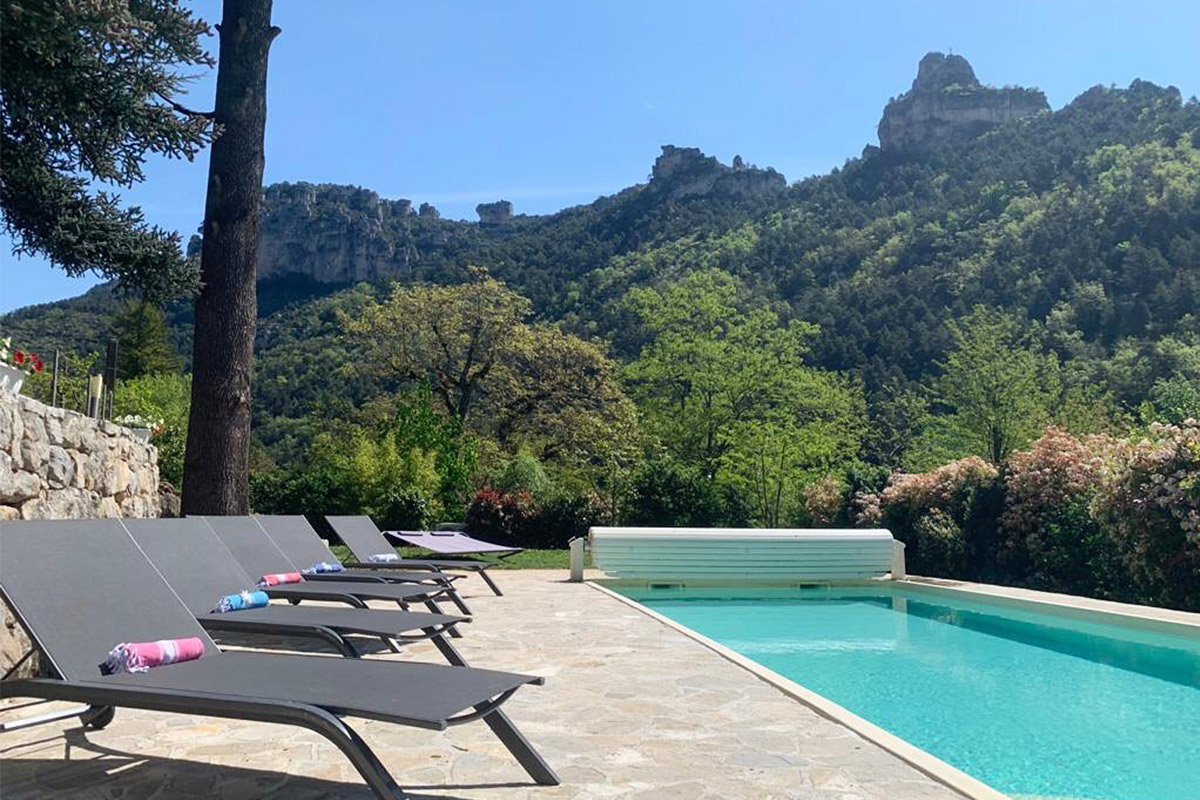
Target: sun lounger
x=300, y=543
x=365, y=540
x=259, y=556
x=451, y=543
x=200, y=570
x=79, y=592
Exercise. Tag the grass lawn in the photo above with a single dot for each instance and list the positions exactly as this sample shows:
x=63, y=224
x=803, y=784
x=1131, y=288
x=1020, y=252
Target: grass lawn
x=526, y=559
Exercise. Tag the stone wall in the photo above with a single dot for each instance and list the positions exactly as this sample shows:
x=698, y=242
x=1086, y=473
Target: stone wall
x=57, y=464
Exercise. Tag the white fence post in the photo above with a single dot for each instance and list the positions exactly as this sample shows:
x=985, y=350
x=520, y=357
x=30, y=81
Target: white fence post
x=577, y=545
x=898, y=570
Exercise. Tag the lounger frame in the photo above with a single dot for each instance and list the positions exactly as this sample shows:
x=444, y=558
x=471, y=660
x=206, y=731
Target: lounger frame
x=165, y=609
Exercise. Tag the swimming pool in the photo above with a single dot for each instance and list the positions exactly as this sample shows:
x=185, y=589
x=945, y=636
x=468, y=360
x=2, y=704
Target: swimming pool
x=1031, y=703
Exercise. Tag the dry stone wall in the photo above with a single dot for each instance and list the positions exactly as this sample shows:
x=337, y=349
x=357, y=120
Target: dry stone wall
x=58, y=464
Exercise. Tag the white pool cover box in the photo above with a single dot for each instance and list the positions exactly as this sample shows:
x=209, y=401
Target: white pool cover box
x=799, y=555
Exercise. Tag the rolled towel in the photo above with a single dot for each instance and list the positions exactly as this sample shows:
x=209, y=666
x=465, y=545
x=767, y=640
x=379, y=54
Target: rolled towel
x=322, y=567
x=141, y=656
x=383, y=558
x=236, y=602
x=279, y=578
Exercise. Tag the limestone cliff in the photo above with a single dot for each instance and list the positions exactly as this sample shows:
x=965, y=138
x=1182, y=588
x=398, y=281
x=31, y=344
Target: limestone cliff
x=339, y=234
x=496, y=213
x=947, y=104
x=331, y=234
x=682, y=172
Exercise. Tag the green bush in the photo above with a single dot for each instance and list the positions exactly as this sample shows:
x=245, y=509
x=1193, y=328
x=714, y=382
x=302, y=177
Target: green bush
x=166, y=396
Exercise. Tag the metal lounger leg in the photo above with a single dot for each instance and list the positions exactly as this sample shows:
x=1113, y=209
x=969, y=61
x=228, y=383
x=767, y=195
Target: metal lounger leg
x=436, y=609
x=459, y=603
x=53, y=716
x=488, y=580
x=361, y=756
x=505, y=731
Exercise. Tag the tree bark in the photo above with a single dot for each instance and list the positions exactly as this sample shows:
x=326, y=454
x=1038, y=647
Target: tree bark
x=217, y=460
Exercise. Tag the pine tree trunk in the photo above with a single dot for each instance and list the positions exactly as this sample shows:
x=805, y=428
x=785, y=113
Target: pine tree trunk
x=217, y=461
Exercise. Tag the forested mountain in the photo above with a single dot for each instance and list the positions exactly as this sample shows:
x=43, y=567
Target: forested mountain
x=1084, y=222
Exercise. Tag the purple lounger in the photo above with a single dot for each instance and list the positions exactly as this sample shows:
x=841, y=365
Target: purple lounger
x=450, y=543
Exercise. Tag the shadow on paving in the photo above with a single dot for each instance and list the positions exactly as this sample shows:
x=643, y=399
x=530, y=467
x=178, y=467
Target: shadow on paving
x=94, y=771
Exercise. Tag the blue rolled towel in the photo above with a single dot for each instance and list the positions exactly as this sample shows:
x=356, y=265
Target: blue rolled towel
x=322, y=567
x=236, y=602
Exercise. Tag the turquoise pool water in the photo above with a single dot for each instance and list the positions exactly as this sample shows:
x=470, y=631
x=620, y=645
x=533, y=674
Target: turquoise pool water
x=1030, y=703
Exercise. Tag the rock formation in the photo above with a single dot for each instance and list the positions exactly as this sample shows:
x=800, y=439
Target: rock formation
x=339, y=235
x=948, y=105
x=681, y=172
x=496, y=213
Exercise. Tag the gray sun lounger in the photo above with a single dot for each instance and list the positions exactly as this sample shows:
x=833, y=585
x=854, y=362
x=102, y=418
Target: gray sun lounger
x=259, y=556
x=364, y=539
x=80, y=590
x=200, y=570
x=299, y=542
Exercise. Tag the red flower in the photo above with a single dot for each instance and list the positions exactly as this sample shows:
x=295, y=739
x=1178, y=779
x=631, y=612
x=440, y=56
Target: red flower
x=19, y=357
x=37, y=365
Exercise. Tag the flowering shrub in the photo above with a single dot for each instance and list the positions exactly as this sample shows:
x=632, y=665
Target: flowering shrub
x=1095, y=515
x=1048, y=537
x=931, y=512
x=1057, y=469
x=26, y=362
x=823, y=500
x=1150, y=504
x=939, y=488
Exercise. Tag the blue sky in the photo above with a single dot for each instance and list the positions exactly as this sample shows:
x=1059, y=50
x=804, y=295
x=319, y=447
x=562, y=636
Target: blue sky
x=551, y=104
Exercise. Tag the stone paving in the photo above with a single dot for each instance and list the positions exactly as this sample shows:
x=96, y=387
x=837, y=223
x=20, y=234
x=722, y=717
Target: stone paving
x=631, y=708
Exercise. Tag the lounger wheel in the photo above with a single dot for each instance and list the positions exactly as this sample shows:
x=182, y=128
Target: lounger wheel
x=99, y=718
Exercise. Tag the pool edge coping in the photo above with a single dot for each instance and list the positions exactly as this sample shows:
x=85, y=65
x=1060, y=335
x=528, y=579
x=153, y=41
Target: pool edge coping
x=925, y=763
x=1110, y=612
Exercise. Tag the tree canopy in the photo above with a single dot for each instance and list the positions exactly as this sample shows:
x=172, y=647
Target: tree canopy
x=86, y=95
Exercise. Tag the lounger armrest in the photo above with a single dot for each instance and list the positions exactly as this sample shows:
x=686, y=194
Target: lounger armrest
x=296, y=591
x=386, y=565
x=342, y=576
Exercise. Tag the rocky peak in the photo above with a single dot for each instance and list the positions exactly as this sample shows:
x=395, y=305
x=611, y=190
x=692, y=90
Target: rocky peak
x=496, y=213
x=681, y=172
x=948, y=105
x=937, y=72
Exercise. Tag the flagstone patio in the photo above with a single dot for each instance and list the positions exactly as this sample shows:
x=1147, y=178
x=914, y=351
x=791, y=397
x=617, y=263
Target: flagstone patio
x=631, y=708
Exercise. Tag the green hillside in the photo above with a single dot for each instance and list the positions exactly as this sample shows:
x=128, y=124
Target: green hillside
x=1085, y=222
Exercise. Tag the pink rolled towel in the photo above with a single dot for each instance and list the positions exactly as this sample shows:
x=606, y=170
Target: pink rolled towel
x=279, y=578
x=141, y=656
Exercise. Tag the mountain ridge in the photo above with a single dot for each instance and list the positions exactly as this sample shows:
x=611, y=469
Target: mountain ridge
x=1084, y=221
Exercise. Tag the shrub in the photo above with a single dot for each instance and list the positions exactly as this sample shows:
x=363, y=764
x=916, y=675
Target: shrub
x=963, y=493
x=940, y=541
x=404, y=508
x=666, y=493
x=563, y=518
x=1048, y=538
x=1151, y=505
x=523, y=473
x=500, y=517
x=823, y=501
x=313, y=491
x=166, y=397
